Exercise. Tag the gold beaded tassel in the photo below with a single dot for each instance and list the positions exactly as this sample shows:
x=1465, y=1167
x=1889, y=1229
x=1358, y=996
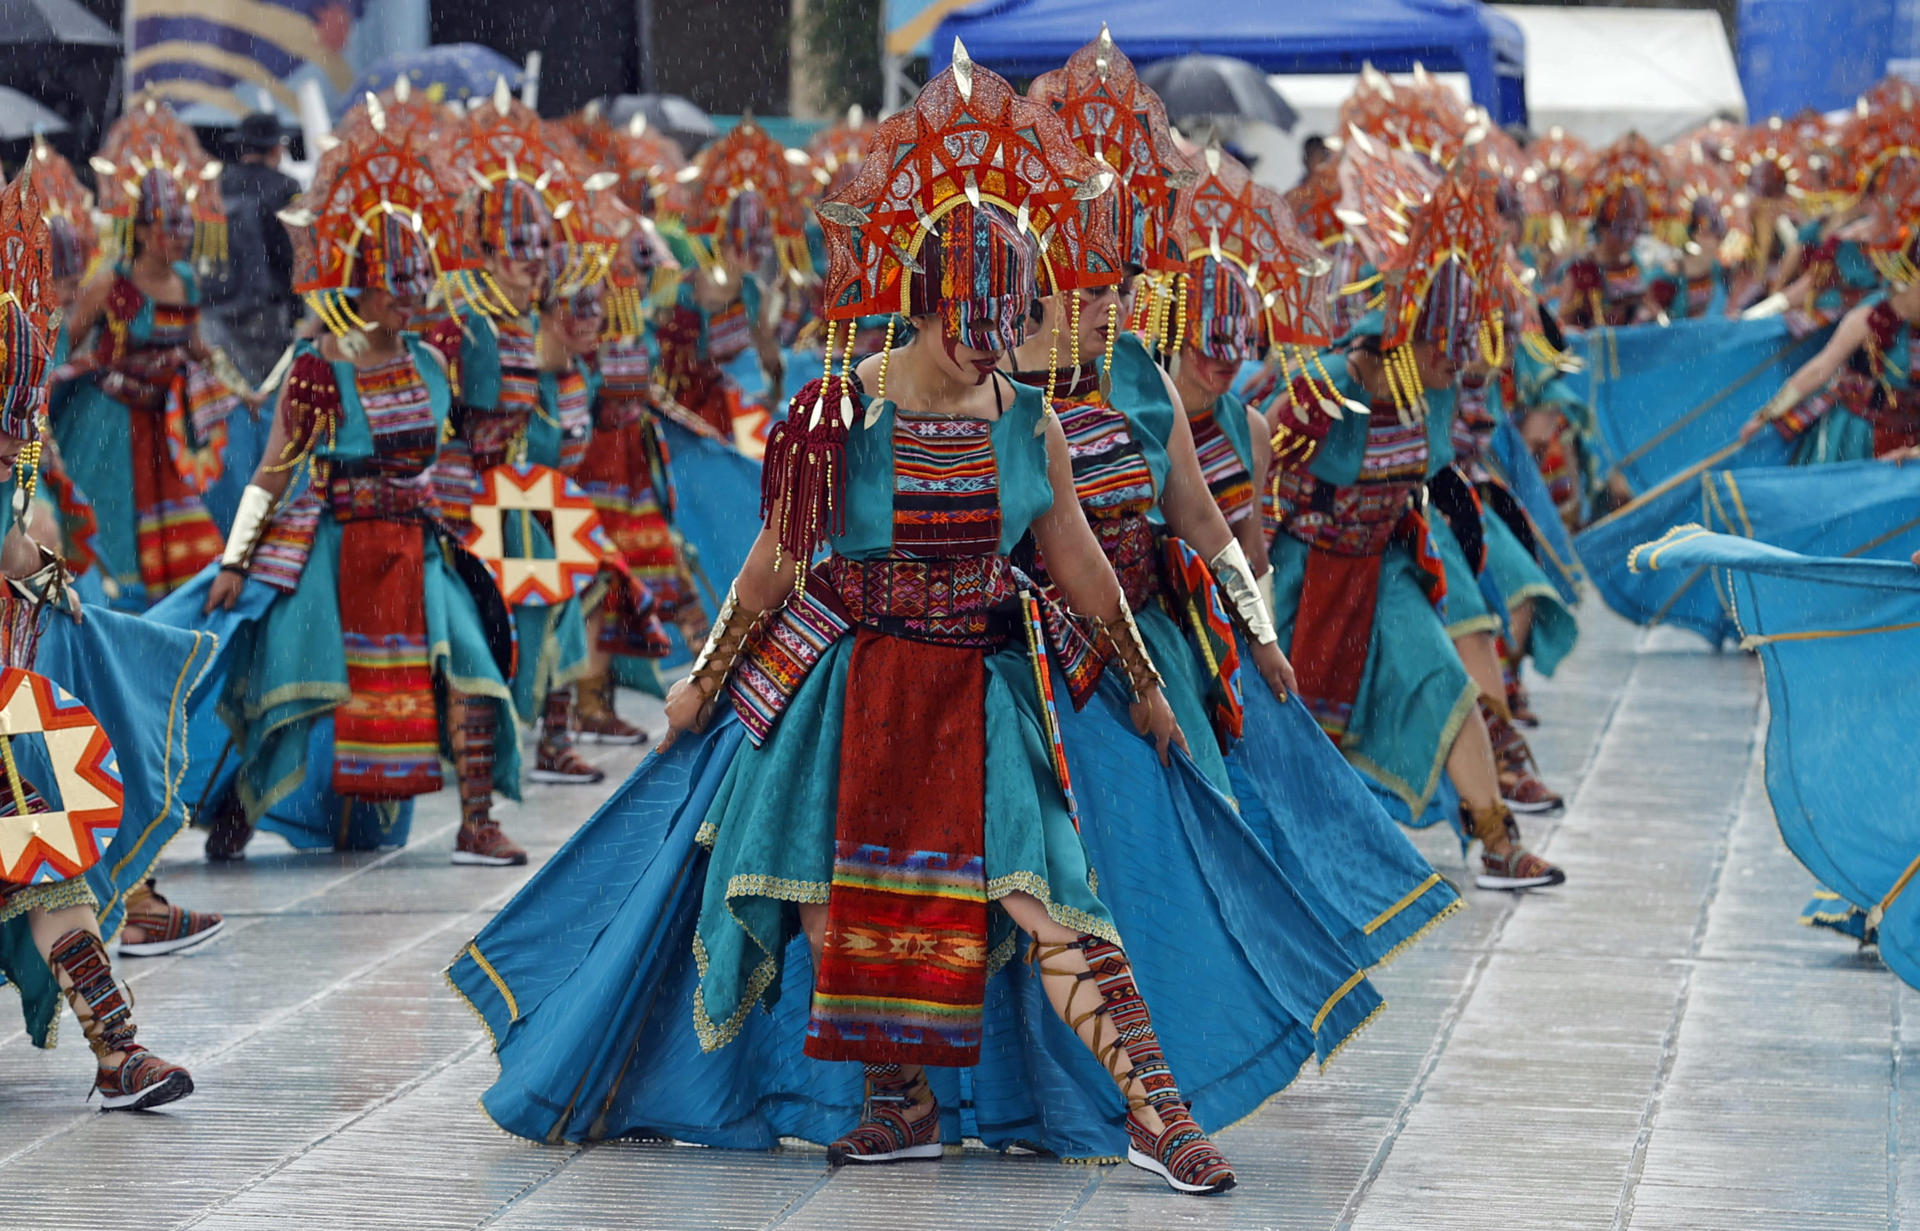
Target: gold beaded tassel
x=27, y=479
x=886, y=357
x=1113, y=337
x=1177, y=308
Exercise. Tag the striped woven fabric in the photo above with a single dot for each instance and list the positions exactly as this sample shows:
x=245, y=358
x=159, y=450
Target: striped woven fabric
x=1396, y=451
x=1109, y=474
x=1227, y=477
x=777, y=657
x=574, y=410
x=946, y=488
x=400, y=416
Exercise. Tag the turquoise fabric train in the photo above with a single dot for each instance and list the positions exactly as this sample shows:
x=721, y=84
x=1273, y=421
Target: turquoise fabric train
x=1864, y=509
x=1840, y=639
x=1666, y=397
x=586, y=980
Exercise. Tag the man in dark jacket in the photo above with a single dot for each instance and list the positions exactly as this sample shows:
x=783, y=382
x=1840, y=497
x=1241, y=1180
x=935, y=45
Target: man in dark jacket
x=251, y=302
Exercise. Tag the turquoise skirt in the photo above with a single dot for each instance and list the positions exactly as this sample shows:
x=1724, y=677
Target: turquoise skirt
x=1517, y=578
x=771, y=833
x=1414, y=693
x=92, y=431
x=1467, y=610
x=1839, y=436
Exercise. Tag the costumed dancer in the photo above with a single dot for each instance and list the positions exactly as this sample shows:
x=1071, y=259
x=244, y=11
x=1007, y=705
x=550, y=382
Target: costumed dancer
x=82, y=818
x=353, y=602
x=1773, y=167
x=1856, y=398
x=1694, y=285
x=732, y=254
x=1607, y=286
x=627, y=472
x=514, y=225
x=1356, y=578
x=1167, y=479
x=142, y=426
x=881, y=767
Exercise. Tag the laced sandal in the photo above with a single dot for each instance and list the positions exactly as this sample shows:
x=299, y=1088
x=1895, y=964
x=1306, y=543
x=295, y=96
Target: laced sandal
x=130, y=1078
x=1520, y=785
x=1518, y=868
x=594, y=718
x=484, y=844
x=167, y=928
x=1519, y=704
x=886, y=1134
x=1179, y=1152
x=557, y=762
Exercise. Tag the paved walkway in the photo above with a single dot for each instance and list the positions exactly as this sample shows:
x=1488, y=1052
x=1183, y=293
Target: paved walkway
x=1658, y=1045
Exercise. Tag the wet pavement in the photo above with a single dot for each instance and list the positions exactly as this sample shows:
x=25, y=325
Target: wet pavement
x=1657, y=1045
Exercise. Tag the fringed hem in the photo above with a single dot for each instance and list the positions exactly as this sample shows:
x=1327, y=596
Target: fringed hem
x=1488, y=623
x=1417, y=803
x=1352, y=1034
x=55, y=895
x=1447, y=912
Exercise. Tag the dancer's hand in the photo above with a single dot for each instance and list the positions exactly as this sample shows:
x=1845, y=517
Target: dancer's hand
x=688, y=709
x=1901, y=457
x=1750, y=429
x=225, y=591
x=1275, y=670
x=1153, y=718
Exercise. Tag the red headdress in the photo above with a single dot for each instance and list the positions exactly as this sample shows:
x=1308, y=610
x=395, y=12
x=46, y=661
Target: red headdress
x=1253, y=280
x=645, y=160
x=1444, y=278
x=376, y=217
x=152, y=171
x=968, y=205
x=1110, y=114
x=69, y=208
x=26, y=313
x=1629, y=185
x=741, y=190
x=525, y=191
x=838, y=149
x=1421, y=115
x=1768, y=158
x=1884, y=129
x=1380, y=188
x=1313, y=201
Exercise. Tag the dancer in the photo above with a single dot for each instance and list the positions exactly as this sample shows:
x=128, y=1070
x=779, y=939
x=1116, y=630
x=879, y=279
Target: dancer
x=368, y=613
x=1355, y=577
x=142, y=428
x=1607, y=287
x=935, y=474
x=54, y=927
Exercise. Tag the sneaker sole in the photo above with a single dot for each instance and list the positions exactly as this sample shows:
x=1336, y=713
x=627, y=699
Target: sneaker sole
x=910, y=1154
x=1485, y=881
x=170, y=1089
x=1146, y=1162
x=159, y=948
x=1537, y=808
x=477, y=860
x=612, y=741
x=558, y=777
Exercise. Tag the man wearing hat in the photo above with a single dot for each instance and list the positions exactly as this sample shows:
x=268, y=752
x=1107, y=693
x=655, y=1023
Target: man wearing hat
x=252, y=303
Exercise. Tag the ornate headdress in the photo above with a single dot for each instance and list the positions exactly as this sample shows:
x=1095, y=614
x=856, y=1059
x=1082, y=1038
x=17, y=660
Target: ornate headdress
x=1252, y=280
x=377, y=216
x=152, y=172
x=26, y=323
x=1629, y=186
x=742, y=189
x=69, y=208
x=1422, y=115
x=968, y=204
x=646, y=160
x=1703, y=192
x=1767, y=158
x=839, y=149
x=1442, y=278
x=1883, y=130
x=525, y=190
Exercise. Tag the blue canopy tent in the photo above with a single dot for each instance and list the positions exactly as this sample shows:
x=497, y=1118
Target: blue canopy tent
x=1024, y=38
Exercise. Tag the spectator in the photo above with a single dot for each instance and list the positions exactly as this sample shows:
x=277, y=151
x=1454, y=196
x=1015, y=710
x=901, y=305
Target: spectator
x=251, y=302
x=1313, y=152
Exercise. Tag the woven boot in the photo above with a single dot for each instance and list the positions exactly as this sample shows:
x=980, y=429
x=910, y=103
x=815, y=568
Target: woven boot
x=1520, y=785
x=595, y=721
x=555, y=760
x=885, y=1133
x=1120, y=1033
x=1519, y=868
x=481, y=843
x=131, y=1078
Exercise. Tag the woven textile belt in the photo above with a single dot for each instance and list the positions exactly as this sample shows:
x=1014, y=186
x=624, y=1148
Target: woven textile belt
x=1134, y=551
x=372, y=497
x=963, y=602
x=1356, y=520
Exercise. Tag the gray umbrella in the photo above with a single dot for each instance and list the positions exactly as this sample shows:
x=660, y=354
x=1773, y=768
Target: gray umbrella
x=1217, y=87
x=22, y=117
x=53, y=21
x=673, y=115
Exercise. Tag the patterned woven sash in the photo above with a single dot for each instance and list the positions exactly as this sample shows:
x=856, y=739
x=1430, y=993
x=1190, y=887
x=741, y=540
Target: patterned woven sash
x=1195, y=601
x=1227, y=477
x=386, y=736
x=574, y=411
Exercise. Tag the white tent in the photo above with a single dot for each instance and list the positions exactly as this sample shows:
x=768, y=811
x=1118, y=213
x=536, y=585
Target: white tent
x=1599, y=73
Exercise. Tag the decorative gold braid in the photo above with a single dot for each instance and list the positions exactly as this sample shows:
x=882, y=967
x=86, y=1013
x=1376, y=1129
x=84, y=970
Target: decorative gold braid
x=886, y=356
x=725, y=643
x=1113, y=336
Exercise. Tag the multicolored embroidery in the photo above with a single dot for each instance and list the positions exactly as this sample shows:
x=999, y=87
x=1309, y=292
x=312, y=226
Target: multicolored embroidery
x=1227, y=477
x=946, y=488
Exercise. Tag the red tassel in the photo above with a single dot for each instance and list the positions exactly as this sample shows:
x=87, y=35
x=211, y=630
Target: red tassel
x=805, y=472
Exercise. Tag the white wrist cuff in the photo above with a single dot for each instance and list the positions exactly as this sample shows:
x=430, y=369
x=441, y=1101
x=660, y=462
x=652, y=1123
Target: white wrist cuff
x=1234, y=575
x=249, y=523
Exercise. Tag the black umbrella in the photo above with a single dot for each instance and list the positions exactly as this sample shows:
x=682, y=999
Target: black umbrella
x=53, y=21
x=1217, y=87
x=21, y=117
x=685, y=122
